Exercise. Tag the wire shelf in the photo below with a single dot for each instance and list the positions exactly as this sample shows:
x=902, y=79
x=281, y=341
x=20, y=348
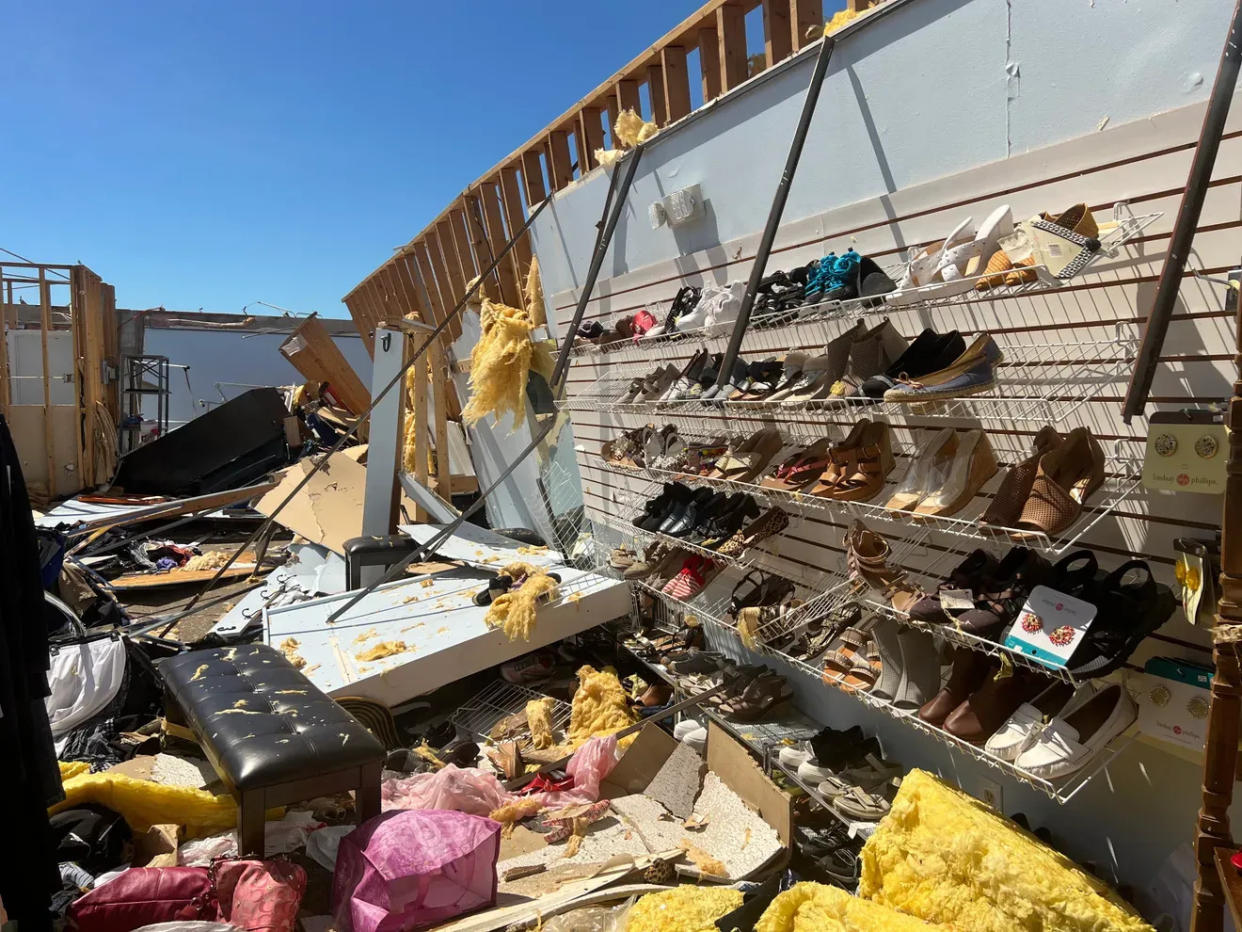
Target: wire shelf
x=482, y=712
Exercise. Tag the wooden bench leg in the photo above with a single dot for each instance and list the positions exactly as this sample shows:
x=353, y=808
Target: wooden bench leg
x=367, y=796
x=250, y=824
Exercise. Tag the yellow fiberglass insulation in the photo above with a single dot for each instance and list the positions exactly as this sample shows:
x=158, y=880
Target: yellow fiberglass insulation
x=532, y=294
x=500, y=364
x=683, y=909
x=946, y=857
x=539, y=718
x=814, y=907
x=600, y=707
x=631, y=130
x=143, y=803
x=515, y=611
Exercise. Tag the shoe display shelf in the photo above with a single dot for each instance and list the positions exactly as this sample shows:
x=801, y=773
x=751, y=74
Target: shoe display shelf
x=1061, y=790
x=769, y=332
x=479, y=714
x=1123, y=479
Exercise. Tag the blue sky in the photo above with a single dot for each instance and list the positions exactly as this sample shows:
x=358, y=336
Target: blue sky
x=208, y=155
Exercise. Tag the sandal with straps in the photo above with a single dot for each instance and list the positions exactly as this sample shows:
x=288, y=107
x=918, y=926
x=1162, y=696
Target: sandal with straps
x=846, y=650
x=801, y=469
x=866, y=558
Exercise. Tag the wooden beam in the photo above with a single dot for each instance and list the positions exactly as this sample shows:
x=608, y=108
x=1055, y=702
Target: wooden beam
x=808, y=22
x=731, y=24
x=613, y=110
x=420, y=427
x=49, y=436
x=655, y=91
x=777, y=31
x=709, y=61
x=403, y=270
x=354, y=306
x=497, y=238
x=311, y=350
x=590, y=134
x=447, y=267
x=439, y=419
x=461, y=240
x=676, y=82
x=435, y=293
x=515, y=216
x=627, y=96
x=532, y=177
x=560, y=166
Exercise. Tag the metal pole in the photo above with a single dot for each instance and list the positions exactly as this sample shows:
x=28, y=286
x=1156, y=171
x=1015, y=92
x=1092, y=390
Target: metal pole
x=1187, y=220
x=778, y=210
x=396, y=380
x=603, y=236
x=603, y=239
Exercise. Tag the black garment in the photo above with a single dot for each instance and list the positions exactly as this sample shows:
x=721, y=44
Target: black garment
x=93, y=837
x=97, y=741
x=30, y=778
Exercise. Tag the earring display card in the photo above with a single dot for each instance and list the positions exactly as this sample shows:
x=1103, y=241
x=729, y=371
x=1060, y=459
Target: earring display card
x=1050, y=626
x=1186, y=452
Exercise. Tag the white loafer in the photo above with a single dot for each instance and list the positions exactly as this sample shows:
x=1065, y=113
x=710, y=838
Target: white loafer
x=796, y=755
x=1027, y=721
x=1068, y=744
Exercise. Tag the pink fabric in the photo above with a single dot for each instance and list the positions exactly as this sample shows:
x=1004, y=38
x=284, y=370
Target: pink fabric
x=412, y=869
x=259, y=896
x=589, y=766
x=142, y=896
x=459, y=789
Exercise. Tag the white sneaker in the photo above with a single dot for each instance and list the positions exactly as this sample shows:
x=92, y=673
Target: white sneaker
x=925, y=267
x=795, y=755
x=812, y=772
x=698, y=316
x=1024, y=725
x=726, y=310
x=696, y=739
x=1070, y=743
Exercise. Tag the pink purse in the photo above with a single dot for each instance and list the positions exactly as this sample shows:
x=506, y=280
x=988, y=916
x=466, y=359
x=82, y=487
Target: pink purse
x=143, y=896
x=259, y=896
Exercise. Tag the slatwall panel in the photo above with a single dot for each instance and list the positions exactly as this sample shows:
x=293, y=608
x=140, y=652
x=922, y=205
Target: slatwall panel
x=1144, y=166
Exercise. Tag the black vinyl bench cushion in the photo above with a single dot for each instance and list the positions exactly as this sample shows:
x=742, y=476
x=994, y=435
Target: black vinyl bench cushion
x=260, y=721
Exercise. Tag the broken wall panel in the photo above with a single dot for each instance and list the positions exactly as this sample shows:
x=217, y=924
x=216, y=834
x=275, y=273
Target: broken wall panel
x=311, y=351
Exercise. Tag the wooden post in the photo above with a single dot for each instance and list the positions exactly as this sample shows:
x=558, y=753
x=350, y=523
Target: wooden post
x=560, y=167
x=777, y=31
x=422, y=260
x=45, y=328
x=439, y=388
x=731, y=24
x=532, y=176
x=507, y=271
x=311, y=350
x=515, y=215
x=420, y=426
x=676, y=82
x=709, y=62
x=808, y=22
x=1221, y=752
x=627, y=96
x=614, y=111
x=655, y=92
x=590, y=134
x=470, y=266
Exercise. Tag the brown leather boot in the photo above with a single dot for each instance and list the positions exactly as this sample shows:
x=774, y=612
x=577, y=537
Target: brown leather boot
x=970, y=669
x=990, y=706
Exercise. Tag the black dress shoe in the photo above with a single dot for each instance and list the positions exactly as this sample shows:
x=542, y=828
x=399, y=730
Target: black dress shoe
x=740, y=512
x=660, y=507
x=685, y=515
x=698, y=514
x=930, y=352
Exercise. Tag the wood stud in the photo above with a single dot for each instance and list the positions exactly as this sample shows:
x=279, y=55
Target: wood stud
x=627, y=97
x=590, y=133
x=777, y=31
x=497, y=237
x=808, y=22
x=655, y=93
x=731, y=24
x=560, y=164
x=532, y=177
x=709, y=62
x=515, y=216
x=676, y=82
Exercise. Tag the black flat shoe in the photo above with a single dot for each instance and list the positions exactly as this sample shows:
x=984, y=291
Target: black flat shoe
x=498, y=585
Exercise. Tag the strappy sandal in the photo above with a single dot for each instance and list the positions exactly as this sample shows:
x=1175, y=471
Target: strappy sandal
x=873, y=773
x=861, y=806
x=1128, y=613
x=751, y=457
x=761, y=695
x=801, y=469
x=866, y=558
x=846, y=650
x=860, y=473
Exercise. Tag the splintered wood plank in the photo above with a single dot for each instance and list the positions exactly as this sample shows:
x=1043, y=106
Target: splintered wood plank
x=676, y=82
x=560, y=164
x=515, y=215
x=179, y=577
x=311, y=350
x=498, y=238
x=655, y=91
x=627, y=95
x=808, y=22
x=709, y=62
x=777, y=31
x=590, y=133
x=532, y=177
x=731, y=24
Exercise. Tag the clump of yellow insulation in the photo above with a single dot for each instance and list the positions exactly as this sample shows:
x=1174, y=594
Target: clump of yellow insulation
x=683, y=909
x=814, y=907
x=629, y=131
x=514, y=611
x=500, y=364
x=539, y=718
x=599, y=707
x=532, y=294
x=946, y=857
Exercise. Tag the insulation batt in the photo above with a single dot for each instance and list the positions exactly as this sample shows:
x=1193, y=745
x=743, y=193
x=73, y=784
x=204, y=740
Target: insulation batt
x=600, y=706
x=500, y=365
x=539, y=718
x=683, y=909
x=814, y=907
x=515, y=612
x=946, y=857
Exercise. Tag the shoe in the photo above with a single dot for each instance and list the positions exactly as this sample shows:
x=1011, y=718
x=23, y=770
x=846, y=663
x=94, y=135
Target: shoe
x=924, y=266
x=687, y=512
x=685, y=727
x=991, y=705
x=966, y=261
x=930, y=352
x=973, y=465
x=1069, y=743
x=695, y=573
x=862, y=806
x=870, y=774
x=761, y=380
x=802, y=469
x=866, y=561
x=887, y=636
x=771, y=522
x=529, y=668
x=736, y=513
x=846, y=655
x=790, y=374
x=751, y=456
x=865, y=466
x=697, y=661
x=822, y=372
x=737, y=378
x=1015, y=488
x=1026, y=721
x=861, y=279
x=969, y=671
x=1066, y=477
x=920, y=670
x=971, y=373
x=1131, y=605
x=871, y=354
x=688, y=376
x=1000, y=598
x=761, y=695
x=927, y=470
x=657, y=384
x=657, y=509
x=813, y=291
x=496, y=586
x=968, y=576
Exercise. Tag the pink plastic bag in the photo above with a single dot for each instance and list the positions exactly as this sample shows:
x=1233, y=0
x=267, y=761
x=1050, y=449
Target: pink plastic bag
x=460, y=789
x=589, y=766
x=259, y=896
x=415, y=868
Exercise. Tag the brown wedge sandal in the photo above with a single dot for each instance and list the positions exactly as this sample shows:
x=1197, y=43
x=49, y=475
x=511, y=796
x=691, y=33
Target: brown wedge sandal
x=1067, y=477
x=1015, y=488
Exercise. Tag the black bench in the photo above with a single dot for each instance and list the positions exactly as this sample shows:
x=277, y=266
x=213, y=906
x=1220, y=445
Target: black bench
x=273, y=737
